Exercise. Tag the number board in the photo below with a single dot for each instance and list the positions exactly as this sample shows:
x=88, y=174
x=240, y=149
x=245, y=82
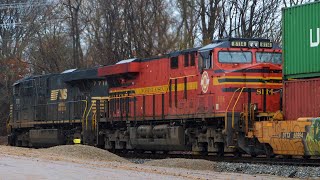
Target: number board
x=239, y=44
x=265, y=44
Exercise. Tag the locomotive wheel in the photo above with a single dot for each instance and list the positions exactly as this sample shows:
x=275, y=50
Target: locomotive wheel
x=18, y=143
x=271, y=156
x=220, y=147
x=237, y=154
x=113, y=149
x=306, y=157
x=138, y=151
x=204, y=153
x=269, y=151
x=287, y=156
x=124, y=151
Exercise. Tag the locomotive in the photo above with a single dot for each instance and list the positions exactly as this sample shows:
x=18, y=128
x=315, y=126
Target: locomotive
x=204, y=100
x=48, y=110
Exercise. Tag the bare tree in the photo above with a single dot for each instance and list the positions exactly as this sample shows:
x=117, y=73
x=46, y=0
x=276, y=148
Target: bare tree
x=209, y=14
x=187, y=23
x=125, y=29
x=289, y=3
x=18, y=24
x=74, y=10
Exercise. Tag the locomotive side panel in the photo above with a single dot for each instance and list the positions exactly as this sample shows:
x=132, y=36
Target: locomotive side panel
x=159, y=89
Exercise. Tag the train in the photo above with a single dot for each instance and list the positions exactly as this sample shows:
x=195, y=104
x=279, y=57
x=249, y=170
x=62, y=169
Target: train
x=234, y=96
x=214, y=99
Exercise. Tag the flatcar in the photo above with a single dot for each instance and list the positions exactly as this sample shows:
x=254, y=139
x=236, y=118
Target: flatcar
x=299, y=137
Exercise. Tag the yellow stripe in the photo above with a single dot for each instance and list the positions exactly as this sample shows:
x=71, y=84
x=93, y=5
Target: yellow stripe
x=248, y=83
x=46, y=122
x=160, y=89
x=99, y=98
x=250, y=77
x=216, y=80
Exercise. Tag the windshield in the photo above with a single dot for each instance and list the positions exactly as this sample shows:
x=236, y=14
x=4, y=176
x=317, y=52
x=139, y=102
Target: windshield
x=235, y=57
x=266, y=57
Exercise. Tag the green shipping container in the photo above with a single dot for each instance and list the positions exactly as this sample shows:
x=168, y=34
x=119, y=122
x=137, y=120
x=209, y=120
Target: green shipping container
x=301, y=41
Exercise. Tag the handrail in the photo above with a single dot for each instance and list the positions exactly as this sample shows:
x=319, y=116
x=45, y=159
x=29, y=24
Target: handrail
x=94, y=123
x=235, y=106
x=252, y=114
x=84, y=113
x=248, y=115
x=226, y=113
x=88, y=116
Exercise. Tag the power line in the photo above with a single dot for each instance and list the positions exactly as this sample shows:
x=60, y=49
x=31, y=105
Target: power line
x=22, y=8
x=23, y=5
x=28, y=23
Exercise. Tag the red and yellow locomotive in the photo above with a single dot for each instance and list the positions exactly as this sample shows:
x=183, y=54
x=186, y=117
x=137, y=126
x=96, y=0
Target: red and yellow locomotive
x=203, y=99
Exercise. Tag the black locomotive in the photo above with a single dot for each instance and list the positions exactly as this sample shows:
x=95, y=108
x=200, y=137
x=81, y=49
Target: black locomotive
x=49, y=110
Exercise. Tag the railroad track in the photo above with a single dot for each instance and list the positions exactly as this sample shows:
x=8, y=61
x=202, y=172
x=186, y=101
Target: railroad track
x=244, y=159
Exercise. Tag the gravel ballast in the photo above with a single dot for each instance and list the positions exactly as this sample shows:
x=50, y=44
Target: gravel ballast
x=278, y=170
x=195, y=164
x=245, y=168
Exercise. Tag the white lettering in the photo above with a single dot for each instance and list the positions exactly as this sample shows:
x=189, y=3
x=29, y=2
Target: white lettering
x=315, y=44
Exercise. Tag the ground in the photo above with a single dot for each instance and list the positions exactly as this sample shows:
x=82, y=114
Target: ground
x=64, y=162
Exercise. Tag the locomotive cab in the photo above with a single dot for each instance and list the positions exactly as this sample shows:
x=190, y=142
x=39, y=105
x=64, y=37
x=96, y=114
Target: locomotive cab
x=254, y=66
x=242, y=78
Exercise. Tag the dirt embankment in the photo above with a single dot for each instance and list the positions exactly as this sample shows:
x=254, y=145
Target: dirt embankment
x=65, y=152
x=83, y=159
x=83, y=152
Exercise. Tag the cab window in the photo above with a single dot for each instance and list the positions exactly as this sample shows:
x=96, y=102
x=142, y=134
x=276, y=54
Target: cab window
x=235, y=57
x=267, y=57
x=208, y=62
x=205, y=61
x=174, y=63
x=186, y=60
x=192, y=59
